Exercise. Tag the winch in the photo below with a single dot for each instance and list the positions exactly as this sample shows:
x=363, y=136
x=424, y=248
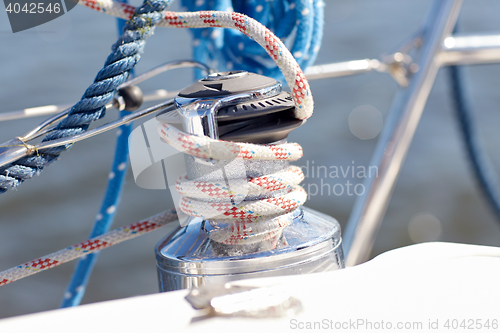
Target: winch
x=245, y=207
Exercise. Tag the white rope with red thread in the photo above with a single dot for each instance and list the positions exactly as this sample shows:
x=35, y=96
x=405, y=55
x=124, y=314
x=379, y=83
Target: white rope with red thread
x=249, y=221
x=91, y=245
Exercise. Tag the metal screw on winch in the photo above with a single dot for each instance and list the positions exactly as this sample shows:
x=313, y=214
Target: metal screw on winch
x=239, y=106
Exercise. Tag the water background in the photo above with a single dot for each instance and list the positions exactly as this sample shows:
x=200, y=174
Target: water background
x=435, y=198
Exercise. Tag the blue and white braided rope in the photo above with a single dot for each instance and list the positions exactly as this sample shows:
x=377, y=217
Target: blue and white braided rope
x=124, y=56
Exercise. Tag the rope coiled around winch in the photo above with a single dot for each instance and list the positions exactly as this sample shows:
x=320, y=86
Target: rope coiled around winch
x=248, y=221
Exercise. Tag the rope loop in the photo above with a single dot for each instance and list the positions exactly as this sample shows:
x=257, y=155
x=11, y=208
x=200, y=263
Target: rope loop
x=299, y=23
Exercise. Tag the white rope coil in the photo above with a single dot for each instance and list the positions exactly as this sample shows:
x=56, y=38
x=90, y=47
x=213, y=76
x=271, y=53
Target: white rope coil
x=253, y=186
x=248, y=211
x=194, y=203
x=208, y=148
x=249, y=221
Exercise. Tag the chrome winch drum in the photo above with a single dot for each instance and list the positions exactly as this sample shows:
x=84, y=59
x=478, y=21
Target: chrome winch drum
x=242, y=107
